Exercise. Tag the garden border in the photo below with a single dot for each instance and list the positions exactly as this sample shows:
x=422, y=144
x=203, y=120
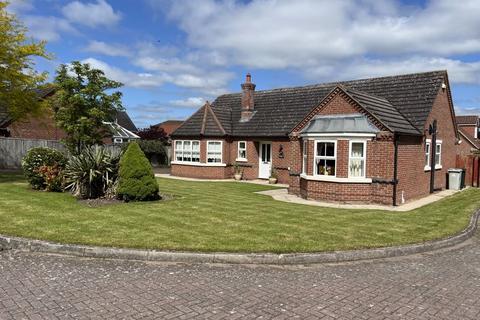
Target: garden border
x=22, y=244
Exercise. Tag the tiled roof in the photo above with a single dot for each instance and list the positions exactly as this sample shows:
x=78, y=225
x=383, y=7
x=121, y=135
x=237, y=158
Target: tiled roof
x=402, y=103
x=43, y=92
x=124, y=120
x=467, y=120
x=205, y=122
x=472, y=140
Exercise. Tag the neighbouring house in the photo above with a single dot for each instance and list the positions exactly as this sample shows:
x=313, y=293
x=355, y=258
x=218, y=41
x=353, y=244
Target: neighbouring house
x=353, y=141
x=468, y=128
x=43, y=126
x=32, y=127
x=122, y=129
x=168, y=127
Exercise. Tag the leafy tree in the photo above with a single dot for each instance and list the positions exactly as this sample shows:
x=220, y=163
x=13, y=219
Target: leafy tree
x=82, y=104
x=153, y=133
x=18, y=78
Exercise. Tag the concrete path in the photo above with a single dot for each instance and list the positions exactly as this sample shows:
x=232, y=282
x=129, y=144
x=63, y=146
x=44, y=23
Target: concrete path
x=440, y=285
x=257, y=181
x=282, y=195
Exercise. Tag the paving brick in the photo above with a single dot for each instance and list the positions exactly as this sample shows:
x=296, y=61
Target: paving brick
x=441, y=285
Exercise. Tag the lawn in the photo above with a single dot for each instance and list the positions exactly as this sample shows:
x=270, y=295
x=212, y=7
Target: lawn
x=222, y=216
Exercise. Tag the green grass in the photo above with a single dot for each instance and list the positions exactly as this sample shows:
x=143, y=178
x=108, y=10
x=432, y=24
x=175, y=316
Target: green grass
x=222, y=216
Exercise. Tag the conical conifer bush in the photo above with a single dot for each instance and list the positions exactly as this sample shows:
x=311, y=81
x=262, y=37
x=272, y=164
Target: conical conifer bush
x=136, y=179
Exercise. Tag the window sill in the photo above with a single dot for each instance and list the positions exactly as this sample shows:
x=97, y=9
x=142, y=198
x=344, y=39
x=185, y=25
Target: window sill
x=241, y=160
x=199, y=164
x=336, y=179
x=437, y=167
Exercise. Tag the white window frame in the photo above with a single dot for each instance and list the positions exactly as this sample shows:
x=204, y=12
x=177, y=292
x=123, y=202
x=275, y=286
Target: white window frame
x=428, y=143
x=315, y=157
x=364, y=158
x=176, y=151
x=117, y=140
x=304, y=156
x=240, y=158
x=221, y=150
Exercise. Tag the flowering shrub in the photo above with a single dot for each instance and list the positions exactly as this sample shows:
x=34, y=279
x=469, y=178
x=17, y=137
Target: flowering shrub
x=38, y=157
x=53, y=177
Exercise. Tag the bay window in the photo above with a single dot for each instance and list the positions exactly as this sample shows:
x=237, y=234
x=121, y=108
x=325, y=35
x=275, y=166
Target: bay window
x=325, y=158
x=187, y=151
x=214, y=151
x=356, y=164
x=304, y=156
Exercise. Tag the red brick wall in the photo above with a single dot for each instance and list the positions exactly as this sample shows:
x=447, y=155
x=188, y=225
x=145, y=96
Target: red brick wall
x=414, y=181
x=42, y=127
x=379, y=165
x=230, y=151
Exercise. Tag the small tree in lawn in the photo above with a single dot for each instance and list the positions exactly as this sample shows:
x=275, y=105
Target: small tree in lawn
x=81, y=104
x=18, y=78
x=136, y=179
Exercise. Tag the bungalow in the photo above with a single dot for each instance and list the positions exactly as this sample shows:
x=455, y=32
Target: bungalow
x=121, y=128
x=366, y=140
x=468, y=128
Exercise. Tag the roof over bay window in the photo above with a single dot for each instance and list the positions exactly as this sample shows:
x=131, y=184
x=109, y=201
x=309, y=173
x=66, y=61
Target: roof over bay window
x=340, y=124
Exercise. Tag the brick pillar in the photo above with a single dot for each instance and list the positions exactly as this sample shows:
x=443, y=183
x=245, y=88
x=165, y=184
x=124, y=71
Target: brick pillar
x=295, y=164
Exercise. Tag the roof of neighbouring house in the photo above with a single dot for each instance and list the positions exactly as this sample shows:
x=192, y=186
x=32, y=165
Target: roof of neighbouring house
x=472, y=140
x=124, y=120
x=42, y=92
x=169, y=126
x=467, y=120
x=118, y=131
x=401, y=103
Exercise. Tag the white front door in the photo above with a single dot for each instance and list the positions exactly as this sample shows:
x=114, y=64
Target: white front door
x=265, y=160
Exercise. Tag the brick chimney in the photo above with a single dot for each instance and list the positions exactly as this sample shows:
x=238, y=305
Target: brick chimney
x=248, y=89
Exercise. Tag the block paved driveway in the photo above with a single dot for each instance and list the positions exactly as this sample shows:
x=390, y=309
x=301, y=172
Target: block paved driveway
x=440, y=285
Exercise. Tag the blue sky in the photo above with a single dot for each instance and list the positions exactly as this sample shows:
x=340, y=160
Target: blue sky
x=174, y=55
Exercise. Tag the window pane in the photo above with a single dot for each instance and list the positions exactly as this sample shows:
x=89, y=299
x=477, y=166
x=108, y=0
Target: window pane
x=437, y=159
x=178, y=150
x=330, y=146
x=356, y=167
x=195, y=151
x=242, y=145
x=321, y=147
x=320, y=166
x=330, y=167
x=357, y=150
x=187, y=151
x=304, y=148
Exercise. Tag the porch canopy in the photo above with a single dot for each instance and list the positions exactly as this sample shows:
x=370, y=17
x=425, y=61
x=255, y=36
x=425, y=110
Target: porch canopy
x=340, y=124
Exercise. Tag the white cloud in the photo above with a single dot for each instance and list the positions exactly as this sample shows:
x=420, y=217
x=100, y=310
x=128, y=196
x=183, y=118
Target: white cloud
x=459, y=71
x=192, y=102
x=113, y=50
x=17, y=6
x=47, y=28
x=91, y=14
x=128, y=78
x=319, y=34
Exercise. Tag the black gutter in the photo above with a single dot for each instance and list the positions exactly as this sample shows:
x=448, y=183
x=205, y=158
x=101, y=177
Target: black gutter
x=395, y=169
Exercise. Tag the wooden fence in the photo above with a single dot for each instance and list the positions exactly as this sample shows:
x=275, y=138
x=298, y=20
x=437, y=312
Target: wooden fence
x=471, y=164
x=12, y=150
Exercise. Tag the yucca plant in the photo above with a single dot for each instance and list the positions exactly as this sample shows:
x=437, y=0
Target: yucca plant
x=92, y=173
